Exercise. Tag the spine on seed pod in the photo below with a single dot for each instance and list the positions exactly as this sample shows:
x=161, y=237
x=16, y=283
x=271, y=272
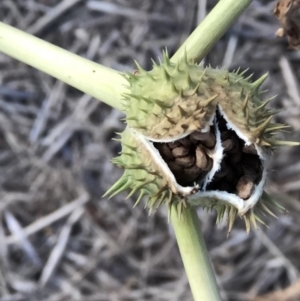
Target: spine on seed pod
x=197, y=136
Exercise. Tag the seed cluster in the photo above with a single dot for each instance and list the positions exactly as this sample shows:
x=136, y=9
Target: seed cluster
x=241, y=167
x=189, y=160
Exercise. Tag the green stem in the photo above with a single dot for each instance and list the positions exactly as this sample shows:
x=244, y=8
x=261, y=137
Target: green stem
x=187, y=229
x=211, y=29
x=194, y=255
x=100, y=82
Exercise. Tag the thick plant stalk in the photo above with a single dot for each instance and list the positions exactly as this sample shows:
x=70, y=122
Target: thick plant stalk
x=98, y=81
x=101, y=82
x=195, y=256
x=211, y=29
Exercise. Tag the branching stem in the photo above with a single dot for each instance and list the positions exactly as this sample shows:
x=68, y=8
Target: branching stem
x=96, y=80
x=195, y=256
x=211, y=29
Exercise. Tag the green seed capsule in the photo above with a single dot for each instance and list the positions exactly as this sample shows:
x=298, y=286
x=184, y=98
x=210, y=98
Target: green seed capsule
x=197, y=135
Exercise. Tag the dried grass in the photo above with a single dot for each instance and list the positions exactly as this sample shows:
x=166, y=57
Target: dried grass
x=59, y=240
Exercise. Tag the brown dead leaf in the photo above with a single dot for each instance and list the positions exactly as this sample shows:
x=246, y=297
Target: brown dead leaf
x=291, y=293
x=288, y=14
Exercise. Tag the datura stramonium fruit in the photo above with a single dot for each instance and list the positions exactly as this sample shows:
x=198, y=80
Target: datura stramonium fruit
x=197, y=136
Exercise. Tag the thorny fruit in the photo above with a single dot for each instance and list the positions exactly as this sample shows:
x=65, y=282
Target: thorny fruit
x=197, y=136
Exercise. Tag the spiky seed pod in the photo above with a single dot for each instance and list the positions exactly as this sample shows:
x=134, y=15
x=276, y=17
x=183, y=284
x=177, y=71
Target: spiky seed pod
x=197, y=135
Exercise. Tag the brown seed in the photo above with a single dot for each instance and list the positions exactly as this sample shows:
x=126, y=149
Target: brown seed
x=210, y=143
x=194, y=141
x=209, y=163
x=173, y=144
x=193, y=172
x=235, y=144
x=185, y=141
x=174, y=167
x=250, y=149
x=200, y=136
x=180, y=151
x=201, y=159
x=227, y=145
x=187, y=161
x=245, y=187
x=225, y=135
x=166, y=152
x=207, y=139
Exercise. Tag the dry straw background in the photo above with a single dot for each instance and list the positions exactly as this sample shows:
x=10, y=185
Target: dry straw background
x=59, y=240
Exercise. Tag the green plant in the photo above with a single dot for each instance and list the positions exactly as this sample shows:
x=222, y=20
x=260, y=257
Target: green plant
x=181, y=98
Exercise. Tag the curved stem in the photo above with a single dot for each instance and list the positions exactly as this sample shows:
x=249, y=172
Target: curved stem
x=194, y=255
x=211, y=29
x=98, y=81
